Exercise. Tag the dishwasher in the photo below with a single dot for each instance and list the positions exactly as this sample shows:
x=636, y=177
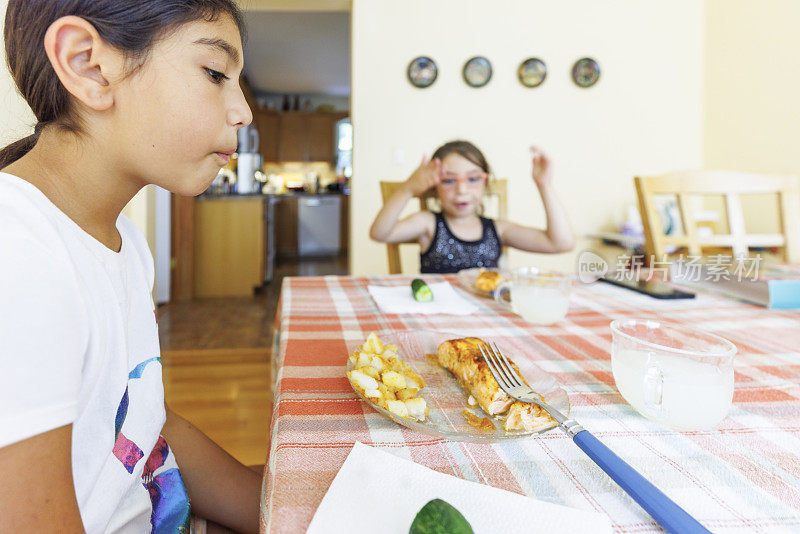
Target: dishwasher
x=318, y=219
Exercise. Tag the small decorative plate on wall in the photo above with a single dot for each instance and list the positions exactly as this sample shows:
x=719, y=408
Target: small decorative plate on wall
x=477, y=71
x=422, y=72
x=585, y=72
x=532, y=72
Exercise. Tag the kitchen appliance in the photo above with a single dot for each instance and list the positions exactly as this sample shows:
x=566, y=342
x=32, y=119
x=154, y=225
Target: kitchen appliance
x=246, y=169
x=249, y=160
x=247, y=139
x=318, y=225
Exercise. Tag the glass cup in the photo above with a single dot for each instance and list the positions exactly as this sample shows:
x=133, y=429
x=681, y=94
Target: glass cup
x=676, y=376
x=537, y=296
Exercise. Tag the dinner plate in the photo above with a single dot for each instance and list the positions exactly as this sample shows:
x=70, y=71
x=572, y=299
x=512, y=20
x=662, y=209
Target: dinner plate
x=466, y=279
x=446, y=400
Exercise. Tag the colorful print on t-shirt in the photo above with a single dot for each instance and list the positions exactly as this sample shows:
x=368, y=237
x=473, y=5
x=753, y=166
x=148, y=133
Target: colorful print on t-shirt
x=160, y=475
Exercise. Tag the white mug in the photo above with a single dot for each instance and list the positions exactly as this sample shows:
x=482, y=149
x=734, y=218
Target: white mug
x=539, y=297
x=674, y=375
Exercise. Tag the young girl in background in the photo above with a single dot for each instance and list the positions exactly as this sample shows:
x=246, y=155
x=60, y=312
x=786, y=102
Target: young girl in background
x=126, y=93
x=458, y=237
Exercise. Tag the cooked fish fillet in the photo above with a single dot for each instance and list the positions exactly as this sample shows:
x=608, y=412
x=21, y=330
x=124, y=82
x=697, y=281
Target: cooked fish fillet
x=463, y=358
x=525, y=416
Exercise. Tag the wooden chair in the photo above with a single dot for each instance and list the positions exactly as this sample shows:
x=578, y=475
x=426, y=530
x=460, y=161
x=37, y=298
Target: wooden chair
x=730, y=185
x=498, y=189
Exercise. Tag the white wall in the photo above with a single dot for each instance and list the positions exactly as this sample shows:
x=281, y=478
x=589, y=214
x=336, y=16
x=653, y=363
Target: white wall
x=142, y=211
x=16, y=118
x=645, y=115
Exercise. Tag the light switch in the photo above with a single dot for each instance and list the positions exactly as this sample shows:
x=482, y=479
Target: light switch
x=398, y=156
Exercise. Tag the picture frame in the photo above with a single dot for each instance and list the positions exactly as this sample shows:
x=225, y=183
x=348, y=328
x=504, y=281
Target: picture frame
x=532, y=72
x=585, y=72
x=477, y=71
x=422, y=72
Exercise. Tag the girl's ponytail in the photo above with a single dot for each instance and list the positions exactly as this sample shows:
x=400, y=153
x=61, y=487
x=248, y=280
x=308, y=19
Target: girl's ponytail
x=17, y=149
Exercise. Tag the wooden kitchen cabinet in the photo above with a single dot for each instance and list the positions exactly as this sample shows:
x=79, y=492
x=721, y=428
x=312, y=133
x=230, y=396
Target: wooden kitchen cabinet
x=293, y=137
x=319, y=138
x=269, y=127
x=297, y=135
x=228, y=246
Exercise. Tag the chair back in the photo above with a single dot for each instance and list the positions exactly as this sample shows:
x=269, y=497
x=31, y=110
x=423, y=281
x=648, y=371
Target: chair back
x=688, y=185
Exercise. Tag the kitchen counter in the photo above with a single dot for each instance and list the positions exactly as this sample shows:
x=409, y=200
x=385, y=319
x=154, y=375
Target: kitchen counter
x=230, y=239
x=287, y=225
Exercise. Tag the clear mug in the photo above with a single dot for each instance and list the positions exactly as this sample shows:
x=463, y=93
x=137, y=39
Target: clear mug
x=537, y=296
x=674, y=375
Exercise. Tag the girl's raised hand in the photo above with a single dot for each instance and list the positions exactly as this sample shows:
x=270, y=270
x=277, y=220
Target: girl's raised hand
x=426, y=176
x=541, y=167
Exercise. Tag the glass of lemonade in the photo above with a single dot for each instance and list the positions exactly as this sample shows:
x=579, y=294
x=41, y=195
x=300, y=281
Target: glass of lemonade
x=537, y=296
x=677, y=376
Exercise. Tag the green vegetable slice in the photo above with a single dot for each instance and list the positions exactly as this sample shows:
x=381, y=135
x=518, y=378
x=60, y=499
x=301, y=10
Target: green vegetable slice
x=420, y=291
x=439, y=517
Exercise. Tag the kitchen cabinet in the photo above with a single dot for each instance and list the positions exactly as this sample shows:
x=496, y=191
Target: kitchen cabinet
x=293, y=137
x=298, y=135
x=229, y=246
x=269, y=126
x=319, y=140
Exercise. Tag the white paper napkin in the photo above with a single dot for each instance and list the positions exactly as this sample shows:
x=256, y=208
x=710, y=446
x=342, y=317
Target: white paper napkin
x=398, y=299
x=376, y=491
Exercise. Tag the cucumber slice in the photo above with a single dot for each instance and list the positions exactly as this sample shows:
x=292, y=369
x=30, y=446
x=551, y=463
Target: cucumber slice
x=420, y=291
x=439, y=517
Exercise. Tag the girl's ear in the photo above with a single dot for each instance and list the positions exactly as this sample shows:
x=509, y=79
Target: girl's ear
x=82, y=61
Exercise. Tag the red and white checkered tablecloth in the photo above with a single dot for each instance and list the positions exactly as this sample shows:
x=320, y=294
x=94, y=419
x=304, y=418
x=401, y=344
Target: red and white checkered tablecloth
x=743, y=476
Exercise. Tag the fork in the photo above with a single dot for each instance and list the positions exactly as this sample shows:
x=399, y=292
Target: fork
x=669, y=515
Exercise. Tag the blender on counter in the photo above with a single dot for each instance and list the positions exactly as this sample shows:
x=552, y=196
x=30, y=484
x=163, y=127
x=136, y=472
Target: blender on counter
x=248, y=162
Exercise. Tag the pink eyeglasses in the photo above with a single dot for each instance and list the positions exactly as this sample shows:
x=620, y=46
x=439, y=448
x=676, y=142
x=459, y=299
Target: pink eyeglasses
x=471, y=180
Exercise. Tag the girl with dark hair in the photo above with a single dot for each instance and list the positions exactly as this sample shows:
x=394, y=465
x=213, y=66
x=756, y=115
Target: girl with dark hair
x=126, y=93
x=458, y=237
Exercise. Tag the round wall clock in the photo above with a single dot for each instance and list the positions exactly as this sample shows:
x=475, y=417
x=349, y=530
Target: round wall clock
x=585, y=72
x=422, y=72
x=532, y=72
x=477, y=71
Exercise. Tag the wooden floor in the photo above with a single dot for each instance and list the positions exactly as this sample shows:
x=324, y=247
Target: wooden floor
x=217, y=358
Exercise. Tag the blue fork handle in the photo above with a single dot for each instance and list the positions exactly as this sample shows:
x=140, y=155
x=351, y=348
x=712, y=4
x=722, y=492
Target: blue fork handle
x=668, y=514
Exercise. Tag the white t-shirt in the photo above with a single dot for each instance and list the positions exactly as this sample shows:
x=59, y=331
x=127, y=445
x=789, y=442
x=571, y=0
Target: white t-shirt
x=79, y=344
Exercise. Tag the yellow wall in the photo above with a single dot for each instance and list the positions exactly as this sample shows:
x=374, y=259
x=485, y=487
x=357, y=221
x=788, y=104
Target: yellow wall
x=752, y=111
x=644, y=115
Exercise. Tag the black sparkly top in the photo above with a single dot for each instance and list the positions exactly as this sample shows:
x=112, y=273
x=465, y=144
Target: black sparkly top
x=449, y=254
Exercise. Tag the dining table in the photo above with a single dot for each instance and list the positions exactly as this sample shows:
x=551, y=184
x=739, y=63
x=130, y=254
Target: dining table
x=742, y=475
